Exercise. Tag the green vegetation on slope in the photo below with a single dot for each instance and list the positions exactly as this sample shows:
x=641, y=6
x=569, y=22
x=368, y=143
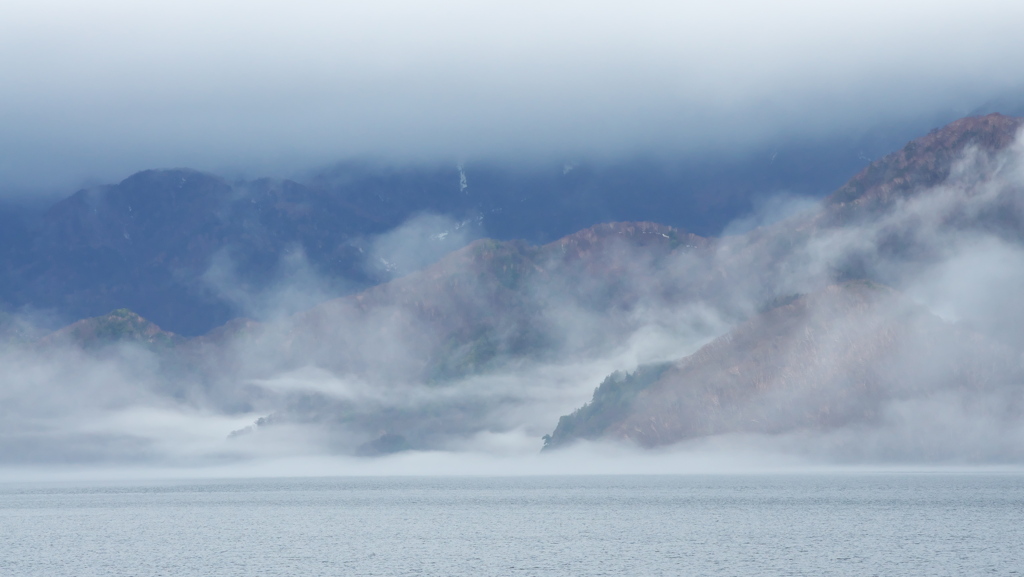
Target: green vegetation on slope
x=612, y=399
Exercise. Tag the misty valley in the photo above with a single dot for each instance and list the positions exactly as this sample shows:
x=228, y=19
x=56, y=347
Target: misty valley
x=272, y=319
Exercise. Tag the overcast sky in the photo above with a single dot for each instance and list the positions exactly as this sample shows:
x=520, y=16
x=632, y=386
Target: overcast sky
x=93, y=91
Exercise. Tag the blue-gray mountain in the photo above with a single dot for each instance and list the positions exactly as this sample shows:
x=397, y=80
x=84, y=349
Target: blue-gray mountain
x=150, y=242
x=884, y=320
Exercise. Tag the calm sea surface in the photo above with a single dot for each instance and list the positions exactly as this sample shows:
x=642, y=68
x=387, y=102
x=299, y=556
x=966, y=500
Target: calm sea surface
x=914, y=524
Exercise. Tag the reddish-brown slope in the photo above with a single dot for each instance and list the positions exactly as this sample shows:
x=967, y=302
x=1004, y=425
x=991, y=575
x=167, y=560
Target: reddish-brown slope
x=822, y=361
x=926, y=161
x=486, y=300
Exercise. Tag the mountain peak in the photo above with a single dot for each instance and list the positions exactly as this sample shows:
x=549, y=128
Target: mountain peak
x=118, y=326
x=926, y=161
x=154, y=175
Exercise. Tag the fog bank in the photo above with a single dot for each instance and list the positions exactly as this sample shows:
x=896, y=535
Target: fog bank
x=95, y=92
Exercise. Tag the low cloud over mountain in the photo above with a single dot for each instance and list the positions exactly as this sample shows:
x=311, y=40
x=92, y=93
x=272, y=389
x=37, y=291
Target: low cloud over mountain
x=94, y=92
x=881, y=324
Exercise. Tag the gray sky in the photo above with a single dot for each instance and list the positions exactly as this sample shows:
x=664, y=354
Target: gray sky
x=94, y=91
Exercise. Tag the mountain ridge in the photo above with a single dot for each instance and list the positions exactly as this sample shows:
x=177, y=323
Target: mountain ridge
x=906, y=213
x=822, y=362
x=89, y=254
x=809, y=324
x=926, y=161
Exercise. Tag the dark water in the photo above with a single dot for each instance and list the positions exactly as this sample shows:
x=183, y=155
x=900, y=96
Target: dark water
x=915, y=524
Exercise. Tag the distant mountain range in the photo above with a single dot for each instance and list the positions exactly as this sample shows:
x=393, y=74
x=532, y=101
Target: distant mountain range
x=872, y=310
x=191, y=250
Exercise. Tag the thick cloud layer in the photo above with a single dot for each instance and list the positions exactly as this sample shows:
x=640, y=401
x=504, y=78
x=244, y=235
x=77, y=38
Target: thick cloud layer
x=96, y=91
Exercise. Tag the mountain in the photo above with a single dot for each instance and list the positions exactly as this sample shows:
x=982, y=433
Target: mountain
x=151, y=243
x=903, y=214
x=117, y=327
x=825, y=352
x=192, y=250
x=482, y=310
x=926, y=161
x=495, y=298
x=832, y=359
x=485, y=308
x=889, y=311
